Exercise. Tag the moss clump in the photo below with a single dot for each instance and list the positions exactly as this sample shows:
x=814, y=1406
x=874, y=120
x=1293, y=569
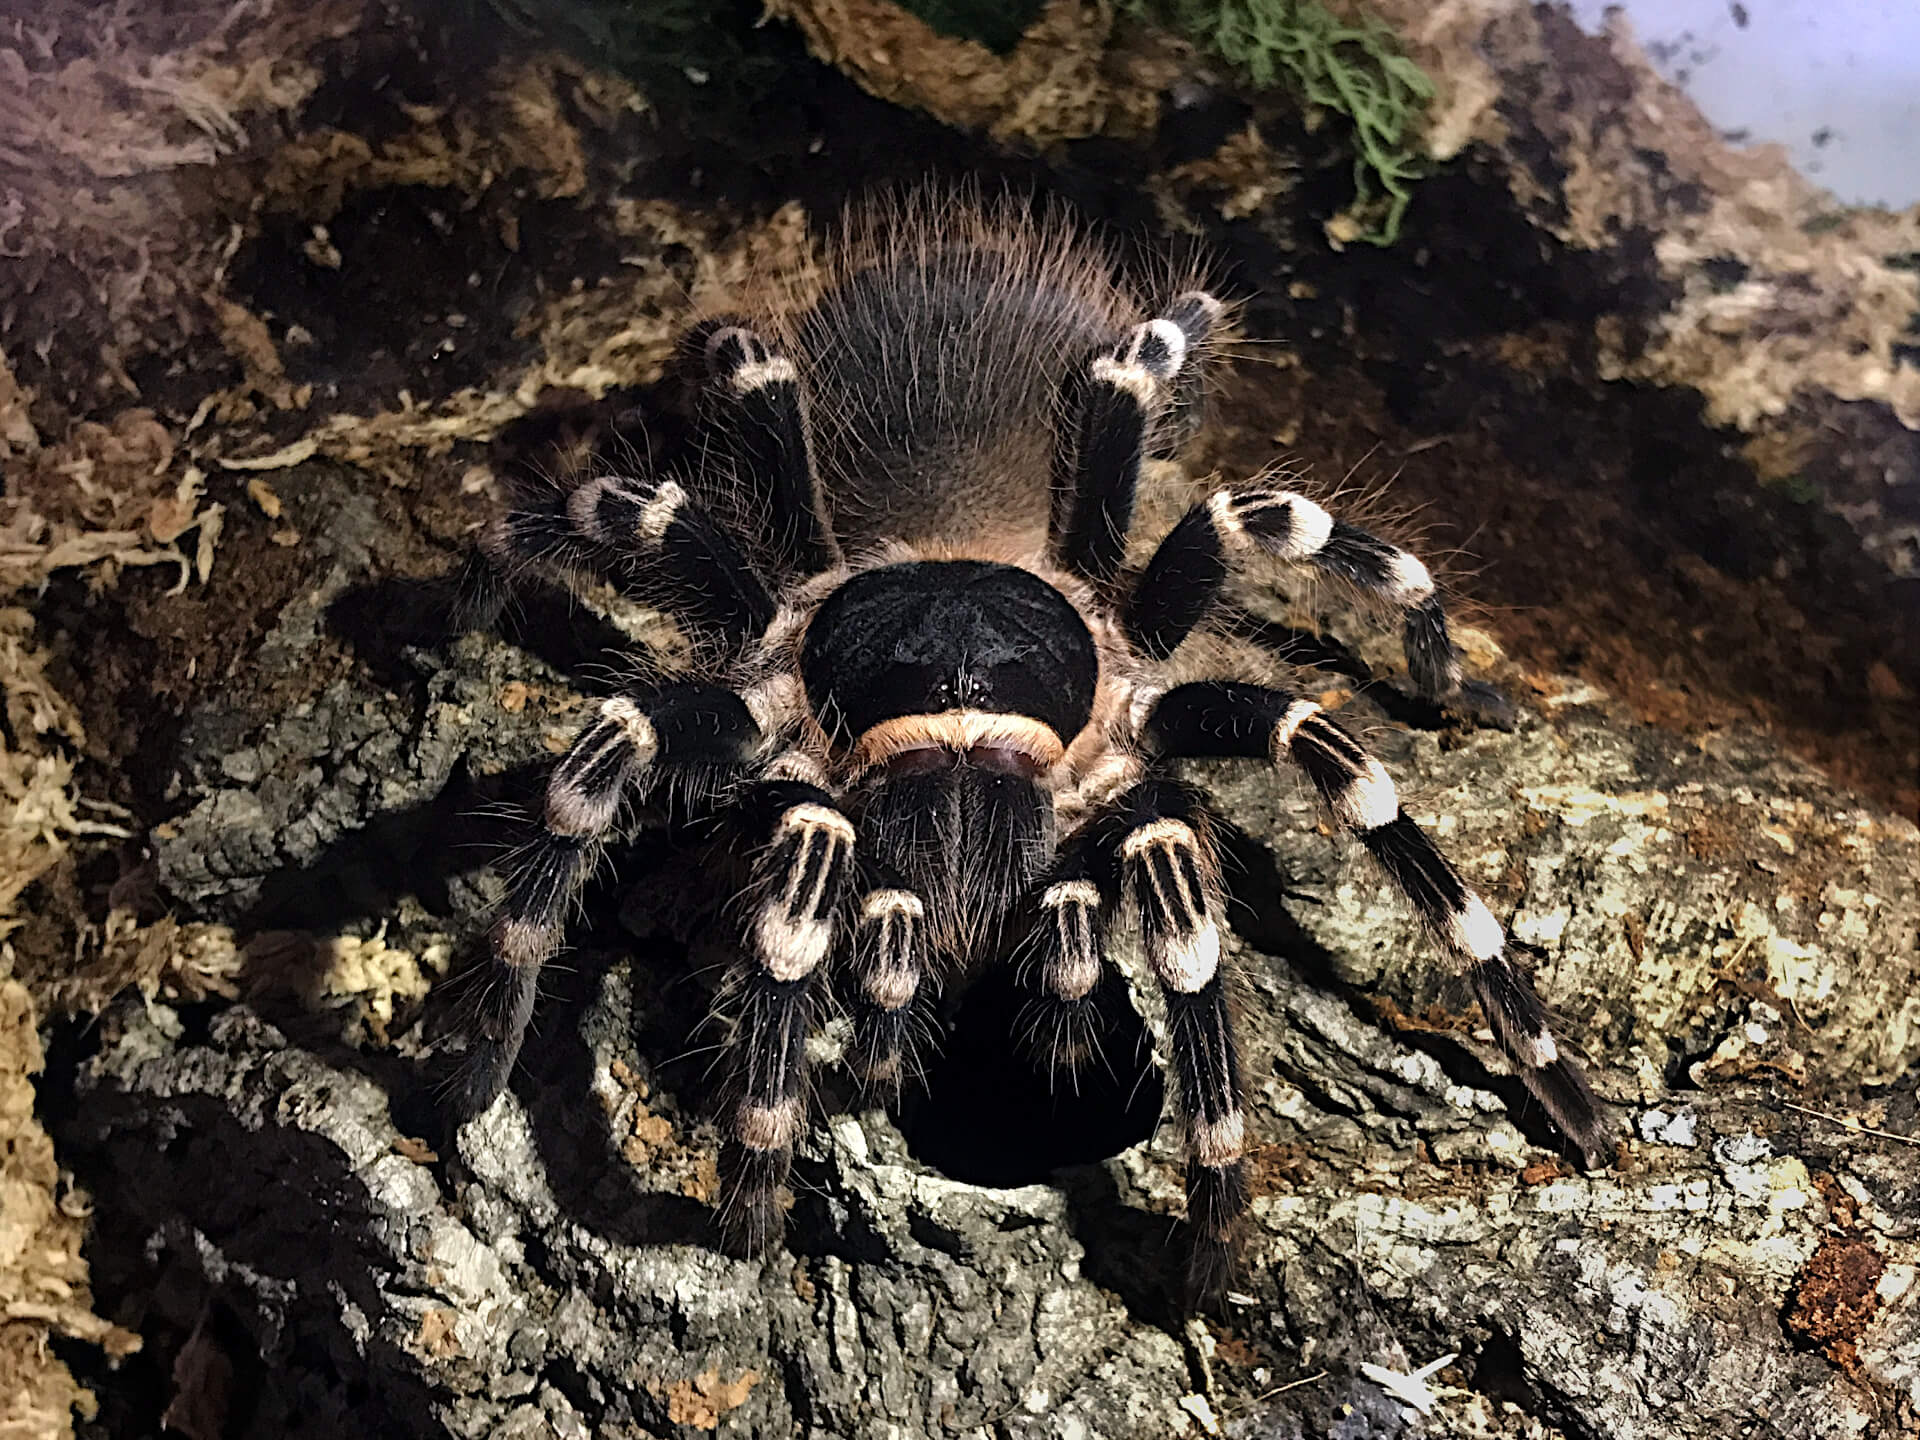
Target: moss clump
x=1356, y=69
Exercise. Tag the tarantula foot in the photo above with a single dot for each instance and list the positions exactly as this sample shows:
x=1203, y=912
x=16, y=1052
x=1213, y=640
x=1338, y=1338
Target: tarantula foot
x=1064, y=1037
x=880, y=1057
x=477, y=1079
x=753, y=1199
x=1482, y=705
x=1216, y=1210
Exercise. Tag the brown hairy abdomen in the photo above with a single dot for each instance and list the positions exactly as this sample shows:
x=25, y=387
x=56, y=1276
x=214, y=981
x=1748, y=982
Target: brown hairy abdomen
x=934, y=365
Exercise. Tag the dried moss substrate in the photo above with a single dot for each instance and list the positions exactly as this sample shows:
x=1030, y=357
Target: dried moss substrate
x=229, y=643
x=142, y=151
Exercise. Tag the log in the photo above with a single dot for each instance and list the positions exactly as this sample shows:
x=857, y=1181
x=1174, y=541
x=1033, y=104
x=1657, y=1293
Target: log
x=1727, y=938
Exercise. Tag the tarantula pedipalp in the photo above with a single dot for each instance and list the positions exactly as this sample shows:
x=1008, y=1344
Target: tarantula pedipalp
x=936, y=711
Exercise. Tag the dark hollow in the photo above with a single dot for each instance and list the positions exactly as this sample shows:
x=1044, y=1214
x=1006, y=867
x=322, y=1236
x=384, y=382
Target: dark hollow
x=989, y=1116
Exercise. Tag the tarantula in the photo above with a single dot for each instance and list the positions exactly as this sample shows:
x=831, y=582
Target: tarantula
x=937, y=708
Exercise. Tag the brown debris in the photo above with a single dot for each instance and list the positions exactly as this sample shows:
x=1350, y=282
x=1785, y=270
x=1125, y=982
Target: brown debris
x=43, y=1278
x=1837, y=1296
x=17, y=435
x=436, y=1336
x=525, y=128
x=701, y=1401
x=1773, y=301
x=250, y=342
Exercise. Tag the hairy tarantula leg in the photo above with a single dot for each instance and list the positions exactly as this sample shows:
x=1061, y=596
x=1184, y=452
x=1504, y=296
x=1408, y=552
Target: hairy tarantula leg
x=622, y=749
x=800, y=879
x=1184, y=579
x=1223, y=718
x=768, y=417
x=1064, y=1023
x=1116, y=400
x=1173, y=876
x=664, y=547
x=889, y=966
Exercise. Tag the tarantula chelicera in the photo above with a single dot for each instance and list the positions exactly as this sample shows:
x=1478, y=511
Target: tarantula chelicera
x=937, y=707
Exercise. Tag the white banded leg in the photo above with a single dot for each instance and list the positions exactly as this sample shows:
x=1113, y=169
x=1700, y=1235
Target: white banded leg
x=1184, y=580
x=653, y=539
x=1117, y=401
x=620, y=751
x=890, y=969
x=1220, y=718
x=763, y=405
x=800, y=879
x=1063, y=1025
x=1172, y=876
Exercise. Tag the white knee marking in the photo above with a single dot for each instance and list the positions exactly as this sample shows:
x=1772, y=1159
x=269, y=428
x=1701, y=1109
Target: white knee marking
x=1298, y=713
x=879, y=904
x=788, y=949
x=578, y=812
x=1473, y=929
x=817, y=817
x=583, y=506
x=767, y=1127
x=523, y=942
x=891, y=986
x=1071, y=892
x=1217, y=1142
x=1073, y=974
x=1368, y=800
x=797, y=765
x=1191, y=960
x=1408, y=581
x=657, y=514
x=1226, y=521
x=1539, y=1051
x=1169, y=335
x=633, y=724
x=750, y=346
x=1157, y=832
x=775, y=701
x=1308, y=525
x=1209, y=306
x=1075, y=970
x=791, y=949
x=1136, y=380
x=892, y=983
x=755, y=373
x=1307, y=535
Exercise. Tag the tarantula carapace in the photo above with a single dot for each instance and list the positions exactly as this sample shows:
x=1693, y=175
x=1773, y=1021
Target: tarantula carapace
x=936, y=706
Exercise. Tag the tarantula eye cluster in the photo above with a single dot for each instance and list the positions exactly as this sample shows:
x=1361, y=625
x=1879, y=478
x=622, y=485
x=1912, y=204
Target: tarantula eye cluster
x=936, y=709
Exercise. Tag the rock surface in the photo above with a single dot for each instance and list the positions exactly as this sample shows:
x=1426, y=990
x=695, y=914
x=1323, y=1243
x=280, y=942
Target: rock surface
x=1723, y=934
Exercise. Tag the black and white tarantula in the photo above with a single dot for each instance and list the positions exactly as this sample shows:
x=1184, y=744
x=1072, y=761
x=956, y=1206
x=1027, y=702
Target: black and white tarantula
x=937, y=708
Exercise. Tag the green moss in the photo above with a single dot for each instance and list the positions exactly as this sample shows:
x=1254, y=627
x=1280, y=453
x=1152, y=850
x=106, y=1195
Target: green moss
x=1356, y=70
